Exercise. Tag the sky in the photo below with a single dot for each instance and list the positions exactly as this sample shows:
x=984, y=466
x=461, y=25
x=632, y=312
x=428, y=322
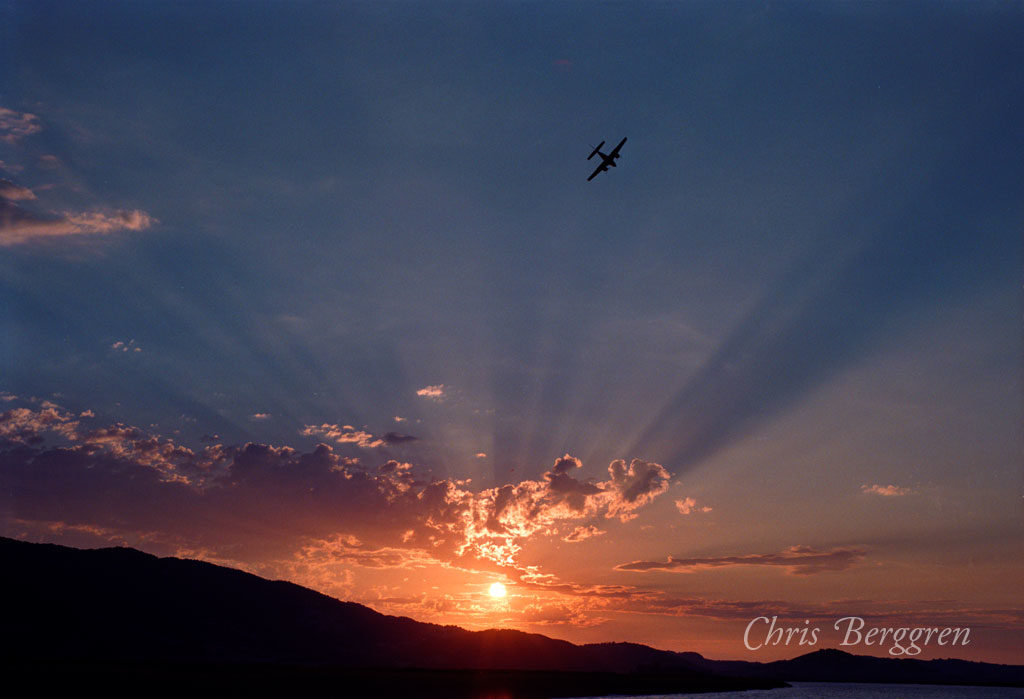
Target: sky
x=321, y=291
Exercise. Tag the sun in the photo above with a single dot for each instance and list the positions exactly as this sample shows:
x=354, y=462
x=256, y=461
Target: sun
x=498, y=590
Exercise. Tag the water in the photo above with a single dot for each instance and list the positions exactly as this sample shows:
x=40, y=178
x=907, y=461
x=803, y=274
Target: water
x=853, y=690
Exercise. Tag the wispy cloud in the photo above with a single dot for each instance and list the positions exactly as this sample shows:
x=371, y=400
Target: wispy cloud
x=16, y=125
x=797, y=560
x=885, y=490
x=14, y=192
x=397, y=438
x=582, y=532
x=347, y=434
x=19, y=226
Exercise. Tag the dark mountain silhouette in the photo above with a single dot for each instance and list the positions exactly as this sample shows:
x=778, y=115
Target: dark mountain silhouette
x=120, y=618
x=831, y=665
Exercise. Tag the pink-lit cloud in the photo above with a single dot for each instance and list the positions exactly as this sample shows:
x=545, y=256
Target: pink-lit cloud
x=19, y=226
x=347, y=434
x=222, y=497
x=432, y=392
x=16, y=125
x=634, y=486
x=688, y=506
x=884, y=490
x=13, y=192
x=27, y=426
x=122, y=346
x=343, y=434
x=582, y=532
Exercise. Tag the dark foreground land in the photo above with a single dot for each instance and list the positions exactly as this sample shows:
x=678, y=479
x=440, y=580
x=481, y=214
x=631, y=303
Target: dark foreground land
x=120, y=622
x=261, y=680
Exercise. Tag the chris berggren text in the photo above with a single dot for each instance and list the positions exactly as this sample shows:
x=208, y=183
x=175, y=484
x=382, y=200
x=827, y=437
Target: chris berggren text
x=903, y=640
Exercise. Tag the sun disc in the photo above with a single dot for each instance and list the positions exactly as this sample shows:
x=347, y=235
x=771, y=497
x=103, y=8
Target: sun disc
x=497, y=590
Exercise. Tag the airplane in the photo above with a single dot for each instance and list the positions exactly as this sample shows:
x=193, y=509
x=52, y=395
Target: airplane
x=606, y=160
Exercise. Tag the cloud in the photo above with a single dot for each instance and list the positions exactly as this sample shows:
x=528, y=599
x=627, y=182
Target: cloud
x=19, y=226
x=347, y=434
x=349, y=549
x=688, y=506
x=634, y=486
x=581, y=533
x=16, y=125
x=121, y=346
x=481, y=455
x=397, y=438
x=260, y=502
x=576, y=615
x=26, y=426
x=261, y=416
x=885, y=490
x=343, y=434
x=399, y=419
x=798, y=560
x=14, y=192
x=433, y=392
x=564, y=490
x=503, y=516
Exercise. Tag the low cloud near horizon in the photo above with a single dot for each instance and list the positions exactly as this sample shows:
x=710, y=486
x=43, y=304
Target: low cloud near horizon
x=797, y=560
x=884, y=490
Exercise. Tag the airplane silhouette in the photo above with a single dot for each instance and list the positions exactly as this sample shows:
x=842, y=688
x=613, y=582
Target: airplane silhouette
x=606, y=160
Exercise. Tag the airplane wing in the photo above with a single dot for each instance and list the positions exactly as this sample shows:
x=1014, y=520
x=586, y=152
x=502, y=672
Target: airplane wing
x=600, y=168
x=616, y=151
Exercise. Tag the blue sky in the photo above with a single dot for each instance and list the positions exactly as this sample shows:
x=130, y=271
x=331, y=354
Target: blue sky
x=802, y=280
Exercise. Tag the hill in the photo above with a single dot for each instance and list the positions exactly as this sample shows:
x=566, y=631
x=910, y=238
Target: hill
x=118, y=615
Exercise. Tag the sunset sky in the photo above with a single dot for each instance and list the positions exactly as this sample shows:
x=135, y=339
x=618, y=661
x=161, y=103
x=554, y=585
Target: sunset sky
x=320, y=291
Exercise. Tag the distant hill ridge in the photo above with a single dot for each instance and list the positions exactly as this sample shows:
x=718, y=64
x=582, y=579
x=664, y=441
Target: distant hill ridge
x=66, y=603
x=61, y=604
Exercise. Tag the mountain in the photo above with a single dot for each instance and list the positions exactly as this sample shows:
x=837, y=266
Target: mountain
x=831, y=665
x=119, y=616
x=72, y=604
x=131, y=623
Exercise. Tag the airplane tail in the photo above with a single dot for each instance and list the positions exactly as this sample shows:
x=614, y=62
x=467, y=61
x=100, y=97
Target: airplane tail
x=596, y=150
